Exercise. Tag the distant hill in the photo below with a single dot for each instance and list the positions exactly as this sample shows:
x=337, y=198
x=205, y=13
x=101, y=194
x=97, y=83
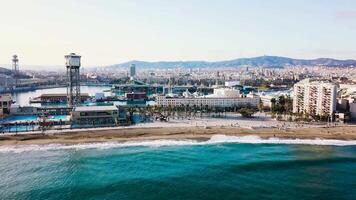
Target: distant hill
x=263, y=61
x=5, y=71
x=9, y=72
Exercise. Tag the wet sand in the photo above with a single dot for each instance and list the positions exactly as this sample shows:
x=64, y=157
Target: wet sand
x=178, y=133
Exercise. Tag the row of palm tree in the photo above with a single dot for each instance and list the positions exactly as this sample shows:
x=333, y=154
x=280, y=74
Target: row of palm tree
x=186, y=112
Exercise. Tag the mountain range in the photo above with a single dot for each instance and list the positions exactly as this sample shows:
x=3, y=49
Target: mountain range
x=261, y=61
x=5, y=71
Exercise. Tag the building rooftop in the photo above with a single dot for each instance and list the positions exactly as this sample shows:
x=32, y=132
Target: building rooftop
x=5, y=97
x=62, y=95
x=94, y=108
x=309, y=81
x=209, y=97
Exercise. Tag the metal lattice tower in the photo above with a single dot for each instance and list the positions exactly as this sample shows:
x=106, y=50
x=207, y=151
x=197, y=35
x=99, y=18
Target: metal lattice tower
x=15, y=68
x=73, y=79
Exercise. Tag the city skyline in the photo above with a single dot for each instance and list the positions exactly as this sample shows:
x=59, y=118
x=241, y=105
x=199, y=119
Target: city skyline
x=111, y=32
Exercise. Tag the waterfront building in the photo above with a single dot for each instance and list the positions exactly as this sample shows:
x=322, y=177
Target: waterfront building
x=23, y=110
x=267, y=100
x=99, y=96
x=5, y=104
x=232, y=83
x=314, y=98
x=225, y=92
x=57, y=98
x=222, y=97
x=129, y=88
x=134, y=98
x=96, y=116
x=266, y=97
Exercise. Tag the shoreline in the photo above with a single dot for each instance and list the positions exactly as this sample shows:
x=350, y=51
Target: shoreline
x=134, y=134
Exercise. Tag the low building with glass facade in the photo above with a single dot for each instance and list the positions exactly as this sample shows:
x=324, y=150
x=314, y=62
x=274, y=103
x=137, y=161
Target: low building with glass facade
x=95, y=116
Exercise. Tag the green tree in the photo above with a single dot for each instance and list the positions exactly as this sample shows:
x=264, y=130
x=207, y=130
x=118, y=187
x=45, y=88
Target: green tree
x=247, y=112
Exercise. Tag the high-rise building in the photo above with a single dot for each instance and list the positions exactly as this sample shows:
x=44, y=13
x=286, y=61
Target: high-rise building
x=132, y=70
x=314, y=98
x=73, y=79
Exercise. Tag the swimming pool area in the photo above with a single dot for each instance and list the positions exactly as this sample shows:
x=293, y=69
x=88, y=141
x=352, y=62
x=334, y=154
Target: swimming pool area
x=19, y=118
x=21, y=123
x=32, y=118
x=59, y=117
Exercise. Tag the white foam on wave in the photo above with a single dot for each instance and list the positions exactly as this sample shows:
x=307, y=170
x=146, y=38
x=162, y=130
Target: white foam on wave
x=274, y=140
x=215, y=139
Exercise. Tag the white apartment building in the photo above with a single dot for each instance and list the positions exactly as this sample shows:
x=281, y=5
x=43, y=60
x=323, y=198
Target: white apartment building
x=232, y=83
x=220, y=98
x=314, y=98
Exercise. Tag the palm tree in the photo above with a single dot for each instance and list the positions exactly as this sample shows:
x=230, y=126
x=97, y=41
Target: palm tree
x=273, y=104
x=260, y=106
x=60, y=124
x=207, y=109
x=194, y=111
x=130, y=117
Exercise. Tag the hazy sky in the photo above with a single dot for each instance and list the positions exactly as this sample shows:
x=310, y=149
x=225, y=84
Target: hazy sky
x=112, y=31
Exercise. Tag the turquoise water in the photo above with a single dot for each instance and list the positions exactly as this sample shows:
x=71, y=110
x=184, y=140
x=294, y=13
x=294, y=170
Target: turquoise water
x=31, y=118
x=218, y=171
x=20, y=118
x=59, y=117
x=28, y=119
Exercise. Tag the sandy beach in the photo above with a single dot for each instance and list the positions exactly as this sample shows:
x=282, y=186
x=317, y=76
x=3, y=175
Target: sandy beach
x=196, y=129
x=177, y=133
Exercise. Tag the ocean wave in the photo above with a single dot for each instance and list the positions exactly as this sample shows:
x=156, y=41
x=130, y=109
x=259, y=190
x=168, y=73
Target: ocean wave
x=215, y=139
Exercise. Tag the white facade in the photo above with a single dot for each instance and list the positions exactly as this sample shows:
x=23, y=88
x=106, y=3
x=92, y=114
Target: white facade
x=72, y=60
x=314, y=98
x=232, y=83
x=222, y=97
x=226, y=92
x=211, y=102
x=266, y=101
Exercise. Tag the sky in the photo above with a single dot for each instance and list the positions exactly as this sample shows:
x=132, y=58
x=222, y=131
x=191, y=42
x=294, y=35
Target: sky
x=107, y=32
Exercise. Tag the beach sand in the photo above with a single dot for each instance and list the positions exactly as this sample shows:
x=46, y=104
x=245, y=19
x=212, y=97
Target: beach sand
x=177, y=133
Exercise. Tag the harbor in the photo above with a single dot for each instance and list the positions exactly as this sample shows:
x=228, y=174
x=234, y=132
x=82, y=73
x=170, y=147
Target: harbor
x=81, y=106
x=82, y=101
x=177, y=100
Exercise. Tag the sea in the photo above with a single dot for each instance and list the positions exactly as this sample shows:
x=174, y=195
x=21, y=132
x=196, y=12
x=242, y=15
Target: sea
x=224, y=167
